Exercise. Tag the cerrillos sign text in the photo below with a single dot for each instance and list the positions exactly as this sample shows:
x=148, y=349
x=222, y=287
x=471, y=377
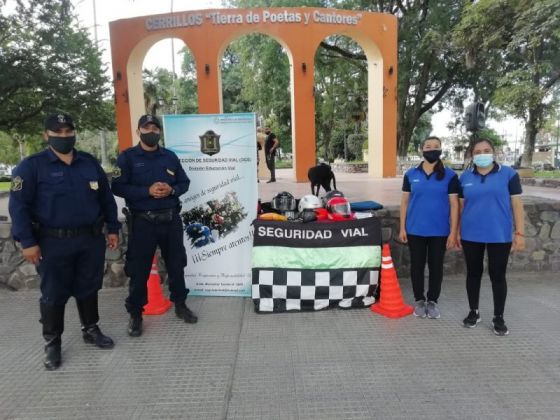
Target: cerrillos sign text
x=179, y=20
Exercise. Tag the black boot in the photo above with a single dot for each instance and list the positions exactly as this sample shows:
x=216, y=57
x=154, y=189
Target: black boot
x=52, y=318
x=89, y=317
x=135, y=325
x=182, y=311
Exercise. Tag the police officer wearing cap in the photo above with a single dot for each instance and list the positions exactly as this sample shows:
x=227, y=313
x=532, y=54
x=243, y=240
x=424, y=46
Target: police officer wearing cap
x=60, y=200
x=151, y=179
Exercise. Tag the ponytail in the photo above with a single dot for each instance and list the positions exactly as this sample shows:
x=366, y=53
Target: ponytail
x=439, y=169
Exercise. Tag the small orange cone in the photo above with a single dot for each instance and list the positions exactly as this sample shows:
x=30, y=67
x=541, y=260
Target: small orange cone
x=157, y=303
x=391, y=303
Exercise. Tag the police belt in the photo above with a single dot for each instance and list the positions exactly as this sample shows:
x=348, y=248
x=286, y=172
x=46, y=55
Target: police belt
x=156, y=216
x=62, y=233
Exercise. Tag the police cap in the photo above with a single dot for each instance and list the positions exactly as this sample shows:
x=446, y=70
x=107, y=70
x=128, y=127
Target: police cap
x=149, y=119
x=54, y=122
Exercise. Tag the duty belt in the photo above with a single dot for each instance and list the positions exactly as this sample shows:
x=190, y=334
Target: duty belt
x=156, y=216
x=62, y=233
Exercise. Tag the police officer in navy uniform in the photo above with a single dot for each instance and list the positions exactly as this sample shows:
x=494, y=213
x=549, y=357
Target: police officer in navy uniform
x=60, y=200
x=151, y=179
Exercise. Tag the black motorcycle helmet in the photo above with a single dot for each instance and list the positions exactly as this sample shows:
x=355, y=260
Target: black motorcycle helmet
x=283, y=201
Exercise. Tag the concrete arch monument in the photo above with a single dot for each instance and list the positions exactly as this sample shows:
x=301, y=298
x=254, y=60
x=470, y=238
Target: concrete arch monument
x=300, y=31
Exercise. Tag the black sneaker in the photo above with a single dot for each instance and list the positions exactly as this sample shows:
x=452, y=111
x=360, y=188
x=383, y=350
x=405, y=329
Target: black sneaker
x=135, y=326
x=472, y=319
x=500, y=326
x=183, y=312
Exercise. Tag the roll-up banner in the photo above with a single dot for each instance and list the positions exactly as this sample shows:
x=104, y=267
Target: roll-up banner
x=218, y=153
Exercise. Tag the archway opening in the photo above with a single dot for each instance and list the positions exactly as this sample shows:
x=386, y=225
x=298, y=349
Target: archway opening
x=255, y=77
x=341, y=100
x=169, y=79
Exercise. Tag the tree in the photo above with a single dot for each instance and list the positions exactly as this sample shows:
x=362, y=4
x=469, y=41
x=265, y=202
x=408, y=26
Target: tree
x=48, y=63
x=525, y=36
x=430, y=66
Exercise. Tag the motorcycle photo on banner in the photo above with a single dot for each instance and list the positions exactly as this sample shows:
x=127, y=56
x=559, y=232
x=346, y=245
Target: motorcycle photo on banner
x=218, y=153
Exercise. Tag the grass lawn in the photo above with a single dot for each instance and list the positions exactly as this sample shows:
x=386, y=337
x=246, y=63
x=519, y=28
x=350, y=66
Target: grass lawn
x=4, y=186
x=547, y=174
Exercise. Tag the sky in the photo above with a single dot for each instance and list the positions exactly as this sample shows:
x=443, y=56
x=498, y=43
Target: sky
x=160, y=54
x=110, y=10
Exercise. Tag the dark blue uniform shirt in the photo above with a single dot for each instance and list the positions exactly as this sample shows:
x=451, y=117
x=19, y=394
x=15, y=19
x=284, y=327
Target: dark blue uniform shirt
x=428, y=206
x=487, y=212
x=47, y=191
x=139, y=169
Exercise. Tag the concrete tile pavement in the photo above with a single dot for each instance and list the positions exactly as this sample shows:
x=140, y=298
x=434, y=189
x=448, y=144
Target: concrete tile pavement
x=235, y=364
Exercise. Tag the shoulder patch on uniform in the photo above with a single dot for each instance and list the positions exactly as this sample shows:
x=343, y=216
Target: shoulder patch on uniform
x=117, y=172
x=17, y=183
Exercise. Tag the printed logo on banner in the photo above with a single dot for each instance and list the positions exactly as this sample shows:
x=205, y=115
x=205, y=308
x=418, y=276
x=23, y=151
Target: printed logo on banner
x=210, y=143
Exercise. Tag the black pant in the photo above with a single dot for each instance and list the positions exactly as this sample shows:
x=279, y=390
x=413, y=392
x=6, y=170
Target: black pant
x=142, y=243
x=498, y=255
x=432, y=248
x=271, y=165
x=70, y=267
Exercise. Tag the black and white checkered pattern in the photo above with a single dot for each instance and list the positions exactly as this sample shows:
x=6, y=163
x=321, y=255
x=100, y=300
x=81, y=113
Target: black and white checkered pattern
x=280, y=290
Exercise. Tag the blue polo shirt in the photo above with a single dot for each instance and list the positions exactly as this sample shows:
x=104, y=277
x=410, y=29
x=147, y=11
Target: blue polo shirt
x=428, y=204
x=487, y=215
x=138, y=169
x=47, y=191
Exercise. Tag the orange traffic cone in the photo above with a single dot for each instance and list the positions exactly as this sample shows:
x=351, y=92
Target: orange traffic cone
x=391, y=303
x=157, y=303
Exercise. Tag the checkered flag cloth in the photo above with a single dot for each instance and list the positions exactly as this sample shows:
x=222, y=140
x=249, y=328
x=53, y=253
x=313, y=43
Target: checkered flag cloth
x=299, y=267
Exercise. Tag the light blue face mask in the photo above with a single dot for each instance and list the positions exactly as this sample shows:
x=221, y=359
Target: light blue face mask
x=483, y=160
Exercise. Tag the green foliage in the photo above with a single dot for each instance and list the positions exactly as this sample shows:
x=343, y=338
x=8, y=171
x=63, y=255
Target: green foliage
x=422, y=130
x=517, y=43
x=48, y=63
x=354, y=143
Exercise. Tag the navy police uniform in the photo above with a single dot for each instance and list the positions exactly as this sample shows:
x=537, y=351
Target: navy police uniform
x=62, y=208
x=154, y=221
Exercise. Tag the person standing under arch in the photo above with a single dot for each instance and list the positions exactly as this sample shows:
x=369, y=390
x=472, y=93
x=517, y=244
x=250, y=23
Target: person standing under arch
x=270, y=146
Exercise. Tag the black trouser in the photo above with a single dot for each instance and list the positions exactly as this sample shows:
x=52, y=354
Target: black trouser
x=498, y=255
x=271, y=165
x=143, y=241
x=431, y=248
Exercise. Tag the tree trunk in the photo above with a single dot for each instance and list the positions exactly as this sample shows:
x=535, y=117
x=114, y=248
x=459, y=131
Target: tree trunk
x=531, y=130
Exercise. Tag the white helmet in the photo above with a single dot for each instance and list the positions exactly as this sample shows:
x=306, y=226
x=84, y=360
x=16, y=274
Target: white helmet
x=309, y=201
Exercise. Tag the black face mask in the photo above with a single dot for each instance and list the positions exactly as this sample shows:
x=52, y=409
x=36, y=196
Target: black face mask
x=62, y=145
x=150, y=139
x=431, y=155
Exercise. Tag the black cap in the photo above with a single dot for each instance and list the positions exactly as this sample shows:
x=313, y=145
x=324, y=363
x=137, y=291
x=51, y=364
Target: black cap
x=149, y=119
x=54, y=121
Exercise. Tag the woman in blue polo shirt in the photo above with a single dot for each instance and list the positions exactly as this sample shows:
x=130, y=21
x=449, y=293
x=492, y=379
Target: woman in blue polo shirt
x=490, y=203
x=429, y=219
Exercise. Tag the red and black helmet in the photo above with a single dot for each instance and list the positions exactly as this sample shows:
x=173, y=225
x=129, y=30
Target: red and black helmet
x=338, y=208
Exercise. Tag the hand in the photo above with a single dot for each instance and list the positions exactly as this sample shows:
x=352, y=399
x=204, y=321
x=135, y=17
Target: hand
x=518, y=243
x=451, y=240
x=402, y=236
x=32, y=254
x=458, y=241
x=160, y=190
x=112, y=241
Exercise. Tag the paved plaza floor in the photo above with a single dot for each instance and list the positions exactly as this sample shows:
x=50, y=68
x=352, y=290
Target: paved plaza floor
x=333, y=364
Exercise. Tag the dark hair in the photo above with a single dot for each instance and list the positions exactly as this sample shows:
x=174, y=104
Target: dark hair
x=439, y=169
x=482, y=140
